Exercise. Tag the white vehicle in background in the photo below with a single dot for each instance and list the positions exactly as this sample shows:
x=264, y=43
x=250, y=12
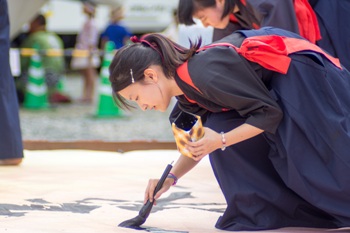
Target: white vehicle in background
x=65, y=16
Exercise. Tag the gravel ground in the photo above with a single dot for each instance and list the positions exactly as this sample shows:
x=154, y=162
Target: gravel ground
x=71, y=122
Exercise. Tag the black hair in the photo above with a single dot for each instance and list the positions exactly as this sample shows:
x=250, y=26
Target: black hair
x=187, y=8
x=153, y=49
x=185, y=12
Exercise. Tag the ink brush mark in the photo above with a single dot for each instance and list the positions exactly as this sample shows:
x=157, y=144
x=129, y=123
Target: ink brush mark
x=146, y=208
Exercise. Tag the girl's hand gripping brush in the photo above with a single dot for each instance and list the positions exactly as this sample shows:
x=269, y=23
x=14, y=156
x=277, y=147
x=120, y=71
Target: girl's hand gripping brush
x=146, y=208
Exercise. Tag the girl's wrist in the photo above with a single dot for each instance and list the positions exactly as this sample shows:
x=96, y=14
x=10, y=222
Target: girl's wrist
x=173, y=177
x=223, y=141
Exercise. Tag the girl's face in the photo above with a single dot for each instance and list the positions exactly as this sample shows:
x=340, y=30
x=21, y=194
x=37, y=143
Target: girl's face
x=153, y=93
x=211, y=16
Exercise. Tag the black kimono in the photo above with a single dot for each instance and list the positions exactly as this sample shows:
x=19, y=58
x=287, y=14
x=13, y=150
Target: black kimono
x=10, y=132
x=334, y=21
x=297, y=173
x=253, y=14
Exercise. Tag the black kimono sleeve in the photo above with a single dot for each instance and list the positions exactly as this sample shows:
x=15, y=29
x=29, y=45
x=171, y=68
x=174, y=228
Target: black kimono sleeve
x=228, y=80
x=333, y=18
x=276, y=13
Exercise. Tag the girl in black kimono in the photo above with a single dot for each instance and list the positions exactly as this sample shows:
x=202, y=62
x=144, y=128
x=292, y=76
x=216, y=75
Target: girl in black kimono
x=227, y=16
x=254, y=84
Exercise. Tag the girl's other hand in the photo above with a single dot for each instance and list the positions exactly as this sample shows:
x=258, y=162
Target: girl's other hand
x=208, y=143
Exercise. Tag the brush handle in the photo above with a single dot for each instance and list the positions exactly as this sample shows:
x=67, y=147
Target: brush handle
x=162, y=179
x=146, y=209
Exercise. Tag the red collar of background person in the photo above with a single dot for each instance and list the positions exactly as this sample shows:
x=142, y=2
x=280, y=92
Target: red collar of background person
x=307, y=20
x=305, y=16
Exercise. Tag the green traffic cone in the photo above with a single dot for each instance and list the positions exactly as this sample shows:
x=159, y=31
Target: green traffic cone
x=60, y=86
x=36, y=96
x=106, y=104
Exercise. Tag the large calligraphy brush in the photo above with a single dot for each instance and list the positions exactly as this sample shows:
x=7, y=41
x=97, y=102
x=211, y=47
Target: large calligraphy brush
x=146, y=208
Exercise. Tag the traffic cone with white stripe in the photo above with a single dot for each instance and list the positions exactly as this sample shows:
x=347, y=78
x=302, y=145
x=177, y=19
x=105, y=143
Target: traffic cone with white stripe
x=36, y=96
x=106, y=104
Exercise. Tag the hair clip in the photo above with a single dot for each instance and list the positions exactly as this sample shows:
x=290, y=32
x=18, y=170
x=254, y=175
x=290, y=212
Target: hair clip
x=132, y=76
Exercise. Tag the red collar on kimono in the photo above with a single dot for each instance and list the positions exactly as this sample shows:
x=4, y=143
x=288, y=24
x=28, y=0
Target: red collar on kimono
x=233, y=18
x=307, y=20
x=271, y=52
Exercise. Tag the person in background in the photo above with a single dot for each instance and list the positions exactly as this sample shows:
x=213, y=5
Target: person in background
x=54, y=66
x=320, y=21
x=265, y=84
x=115, y=31
x=88, y=41
x=11, y=147
x=227, y=16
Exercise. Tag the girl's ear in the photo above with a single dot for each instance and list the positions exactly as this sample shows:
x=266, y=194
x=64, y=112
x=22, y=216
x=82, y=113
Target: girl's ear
x=150, y=75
